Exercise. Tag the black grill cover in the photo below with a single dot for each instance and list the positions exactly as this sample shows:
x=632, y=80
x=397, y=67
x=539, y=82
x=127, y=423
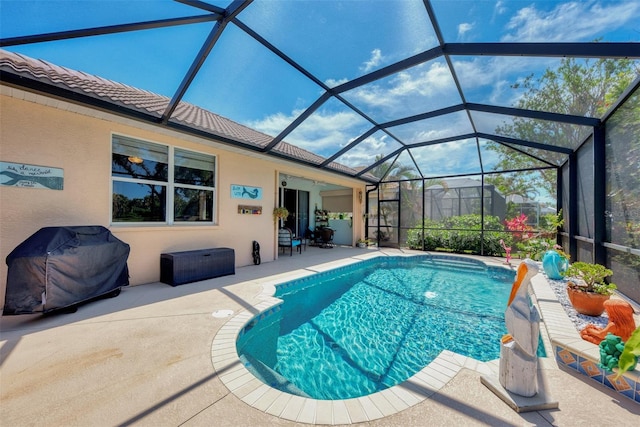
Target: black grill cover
x=61, y=266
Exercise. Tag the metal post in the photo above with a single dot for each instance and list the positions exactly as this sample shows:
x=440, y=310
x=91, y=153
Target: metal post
x=559, y=202
x=482, y=215
x=599, y=194
x=423, y=212
x=572, y=215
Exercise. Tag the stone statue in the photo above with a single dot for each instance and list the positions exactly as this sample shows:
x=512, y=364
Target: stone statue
x=518, y=351
x=621, y=322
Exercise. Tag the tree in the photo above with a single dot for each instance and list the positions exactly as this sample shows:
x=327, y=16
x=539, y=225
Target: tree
x=577, y=88
x=392, y=172
x=387, y=171
x=409, y=186
x=623, y=174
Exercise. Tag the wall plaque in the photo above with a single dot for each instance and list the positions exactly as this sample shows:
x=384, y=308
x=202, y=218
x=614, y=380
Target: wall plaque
x=246, y=192
x=249, y=210
x=31, y=176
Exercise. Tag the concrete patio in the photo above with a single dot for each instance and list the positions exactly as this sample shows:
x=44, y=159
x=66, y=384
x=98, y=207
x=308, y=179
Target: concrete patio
x=145, y=359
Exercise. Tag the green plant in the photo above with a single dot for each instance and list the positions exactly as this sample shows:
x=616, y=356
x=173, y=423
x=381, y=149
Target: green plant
x=280, y=213
x=532, y=243
x=534, y=248
x=552, y=222
x=630, y=353
x=561, y=252
x=592, y=276
x=460, y=234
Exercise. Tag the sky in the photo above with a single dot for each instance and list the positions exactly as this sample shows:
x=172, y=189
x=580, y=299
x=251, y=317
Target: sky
x=336, y=41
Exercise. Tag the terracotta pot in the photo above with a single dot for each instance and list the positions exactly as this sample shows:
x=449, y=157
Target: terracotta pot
x=588, y=303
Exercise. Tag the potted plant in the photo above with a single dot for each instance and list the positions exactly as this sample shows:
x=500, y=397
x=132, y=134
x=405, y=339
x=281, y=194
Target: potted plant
x=280, y=213
x=362, y=243
x=587, y=289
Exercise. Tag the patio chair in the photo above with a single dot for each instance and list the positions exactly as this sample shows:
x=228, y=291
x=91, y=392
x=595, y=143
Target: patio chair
x=287, y=240
x=326, y=237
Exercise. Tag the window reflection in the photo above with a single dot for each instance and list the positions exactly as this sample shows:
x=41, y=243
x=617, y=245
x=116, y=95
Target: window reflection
x=134, y=202
x=193, y=205
x=194, y=168
x=139, y=159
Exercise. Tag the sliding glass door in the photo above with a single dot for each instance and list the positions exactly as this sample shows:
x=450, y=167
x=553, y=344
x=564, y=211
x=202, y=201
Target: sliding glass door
x=297, y=203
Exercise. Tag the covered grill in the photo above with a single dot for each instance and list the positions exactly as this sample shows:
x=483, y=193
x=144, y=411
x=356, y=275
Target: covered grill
x=59, y=267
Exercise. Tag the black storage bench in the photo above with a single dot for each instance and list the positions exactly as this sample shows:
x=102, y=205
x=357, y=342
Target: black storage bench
x=178, y=268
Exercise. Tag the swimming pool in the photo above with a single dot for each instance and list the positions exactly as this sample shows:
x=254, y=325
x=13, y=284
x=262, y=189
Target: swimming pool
x=363, y=328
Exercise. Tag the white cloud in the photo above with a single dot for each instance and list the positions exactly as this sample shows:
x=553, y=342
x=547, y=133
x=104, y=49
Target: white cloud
x=478, y=71
x=438, y=128
x=335, y=82
x=418, y=87
x=499, y=8
x=427, y=82
x=364, y=153
x=501, y=92
x=321, y=133
x=274, y=124
x=408, y=89
x=576, y=21
x=448, y=158
x=374, y=61
x=489, y=79
x=326, y=131
x=464, y=28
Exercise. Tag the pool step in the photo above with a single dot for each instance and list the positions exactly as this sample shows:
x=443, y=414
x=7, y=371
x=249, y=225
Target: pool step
x=269, y=376
x=455, y=264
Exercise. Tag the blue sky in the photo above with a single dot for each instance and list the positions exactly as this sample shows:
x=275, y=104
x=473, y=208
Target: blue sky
x=336, y=41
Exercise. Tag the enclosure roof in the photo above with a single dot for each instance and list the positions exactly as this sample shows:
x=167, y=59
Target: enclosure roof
x=350, y=87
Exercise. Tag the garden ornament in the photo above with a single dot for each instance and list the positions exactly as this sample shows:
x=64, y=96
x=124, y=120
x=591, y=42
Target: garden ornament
x=518, y=369
x=554, y=265
x=621, y=323
x=507, y=250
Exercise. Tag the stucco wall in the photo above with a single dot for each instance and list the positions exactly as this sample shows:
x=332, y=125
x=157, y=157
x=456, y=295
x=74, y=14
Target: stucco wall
x=69, y=137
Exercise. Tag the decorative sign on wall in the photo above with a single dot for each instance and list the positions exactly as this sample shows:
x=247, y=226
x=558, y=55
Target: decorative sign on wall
x=31, y=176
x=249, y=210
x=246, y=192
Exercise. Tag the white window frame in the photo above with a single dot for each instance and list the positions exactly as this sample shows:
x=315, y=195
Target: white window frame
x=170, y=185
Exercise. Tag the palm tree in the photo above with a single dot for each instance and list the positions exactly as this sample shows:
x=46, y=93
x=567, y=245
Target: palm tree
x=392, y=171
x=408, y=183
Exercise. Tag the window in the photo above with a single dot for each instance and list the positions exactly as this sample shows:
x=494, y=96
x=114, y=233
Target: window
x=155, y=183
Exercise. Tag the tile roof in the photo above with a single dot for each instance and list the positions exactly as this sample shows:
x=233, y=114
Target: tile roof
x=153, y=106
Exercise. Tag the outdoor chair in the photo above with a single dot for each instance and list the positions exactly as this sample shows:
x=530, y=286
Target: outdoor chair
x=287, y=240
x=326, y=237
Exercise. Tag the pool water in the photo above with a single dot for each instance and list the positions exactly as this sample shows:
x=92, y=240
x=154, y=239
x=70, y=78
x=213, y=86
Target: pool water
x=357, y=331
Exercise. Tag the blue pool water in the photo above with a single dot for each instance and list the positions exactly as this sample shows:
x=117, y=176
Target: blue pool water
x=358, y=330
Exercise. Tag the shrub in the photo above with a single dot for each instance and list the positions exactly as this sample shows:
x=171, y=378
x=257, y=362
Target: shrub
x=459, y=234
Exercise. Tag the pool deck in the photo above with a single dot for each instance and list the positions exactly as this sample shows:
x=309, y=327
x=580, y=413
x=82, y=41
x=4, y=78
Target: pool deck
x=163, y=356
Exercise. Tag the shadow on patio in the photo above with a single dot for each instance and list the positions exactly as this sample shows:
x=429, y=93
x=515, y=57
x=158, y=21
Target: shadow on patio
x=145, y=358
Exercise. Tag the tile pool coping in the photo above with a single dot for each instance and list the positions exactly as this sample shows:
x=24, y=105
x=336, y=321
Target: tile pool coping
x=574, y=353
x=559, y=336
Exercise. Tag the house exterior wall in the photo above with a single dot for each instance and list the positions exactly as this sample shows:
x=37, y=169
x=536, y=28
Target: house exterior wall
x=38, y=130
